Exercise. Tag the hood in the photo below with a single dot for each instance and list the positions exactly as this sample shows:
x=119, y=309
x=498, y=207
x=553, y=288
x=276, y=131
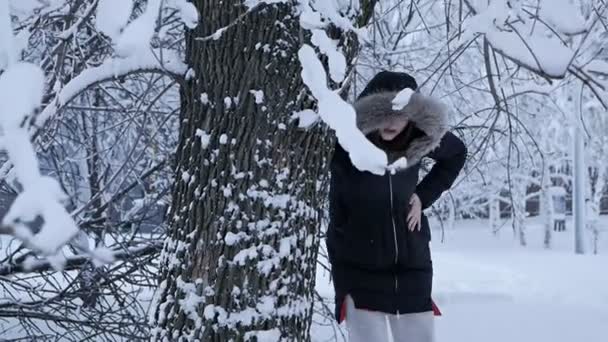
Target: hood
x=426, y=113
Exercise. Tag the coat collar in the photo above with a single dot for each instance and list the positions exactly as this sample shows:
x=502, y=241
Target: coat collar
x=426, y=113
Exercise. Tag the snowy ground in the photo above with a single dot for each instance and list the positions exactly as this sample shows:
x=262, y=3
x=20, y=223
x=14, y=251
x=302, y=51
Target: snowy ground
x=491, y=289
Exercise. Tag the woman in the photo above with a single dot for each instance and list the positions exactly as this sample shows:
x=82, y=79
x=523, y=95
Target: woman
x=378, y=237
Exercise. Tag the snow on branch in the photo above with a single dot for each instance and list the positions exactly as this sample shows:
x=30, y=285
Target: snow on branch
x=519, y=41
x=7, y=50
x=21, y=89
x=165, y=61
x=112, y=16
x=77, y=261
x=332, y=109
x=340, y=116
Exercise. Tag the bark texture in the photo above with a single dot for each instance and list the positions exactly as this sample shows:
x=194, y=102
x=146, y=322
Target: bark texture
x=239, y=260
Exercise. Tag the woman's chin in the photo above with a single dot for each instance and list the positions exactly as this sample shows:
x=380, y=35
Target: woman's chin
x=388, y=136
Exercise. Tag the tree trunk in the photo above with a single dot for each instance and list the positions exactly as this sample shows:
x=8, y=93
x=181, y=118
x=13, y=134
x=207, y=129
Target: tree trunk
x=519, y=211
x=494, y=215
x=239, y=260
x=546, y=205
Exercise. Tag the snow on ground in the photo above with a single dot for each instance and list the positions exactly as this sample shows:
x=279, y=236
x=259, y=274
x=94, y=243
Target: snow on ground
x=491, y=289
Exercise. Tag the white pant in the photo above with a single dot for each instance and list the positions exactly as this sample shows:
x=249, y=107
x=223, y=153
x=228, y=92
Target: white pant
x=373, y=326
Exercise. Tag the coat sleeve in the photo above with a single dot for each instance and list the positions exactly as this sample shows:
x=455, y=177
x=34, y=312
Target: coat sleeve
x=449, y=157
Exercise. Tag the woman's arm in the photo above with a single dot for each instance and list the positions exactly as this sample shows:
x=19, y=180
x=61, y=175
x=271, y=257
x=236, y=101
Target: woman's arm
x=449, y=159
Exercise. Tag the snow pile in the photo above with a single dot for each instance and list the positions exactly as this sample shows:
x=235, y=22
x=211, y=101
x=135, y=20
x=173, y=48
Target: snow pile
x=340, y=116
x=21, y=90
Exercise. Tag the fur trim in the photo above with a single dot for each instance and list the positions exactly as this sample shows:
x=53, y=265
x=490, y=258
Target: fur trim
x=426, y=113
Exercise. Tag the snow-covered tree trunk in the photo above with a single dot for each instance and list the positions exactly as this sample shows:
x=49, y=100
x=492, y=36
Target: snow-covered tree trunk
x=494, y=215
x=240, y=257
x=546, y=207
x=519, y=211
x=546, y=200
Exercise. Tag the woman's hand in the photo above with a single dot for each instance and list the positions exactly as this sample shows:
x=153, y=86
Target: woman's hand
x=414, y=216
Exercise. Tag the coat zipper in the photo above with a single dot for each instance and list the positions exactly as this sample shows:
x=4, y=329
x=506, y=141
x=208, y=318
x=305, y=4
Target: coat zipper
x=390, y=184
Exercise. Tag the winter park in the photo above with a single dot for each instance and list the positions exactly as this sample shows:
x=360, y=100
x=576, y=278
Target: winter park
x=304, y=170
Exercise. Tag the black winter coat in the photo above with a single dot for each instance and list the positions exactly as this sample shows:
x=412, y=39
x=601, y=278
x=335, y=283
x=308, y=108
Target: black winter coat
x=375, y=259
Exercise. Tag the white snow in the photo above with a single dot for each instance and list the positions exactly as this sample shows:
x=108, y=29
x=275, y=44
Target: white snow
x=397, y=165
x=185, y=177
x=232, y=239
x=223, y=139
x=597, y=66
x=271, y=335
x=7, y=46
x=228, y=102
x=26, y=7
x=563, y=15
x=306, y=118
x=491, y=289
x=253, y=3
x=329, y=10
x=309, y=19
x=144, y=61
x=534, y=50
x=336, y=59
x=259, y=95
x=402, y=99
x=137, y=35
x=113, y=16
x=205, y=138
x=340, y=116
x=21, y=90
x=204, y=98
x=102, y=256
x=188, y=12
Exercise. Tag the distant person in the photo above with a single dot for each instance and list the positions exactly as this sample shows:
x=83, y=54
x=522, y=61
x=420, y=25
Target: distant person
x=378, y=236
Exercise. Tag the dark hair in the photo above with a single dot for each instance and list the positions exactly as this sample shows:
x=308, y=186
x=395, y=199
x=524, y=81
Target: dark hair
x=389, y=81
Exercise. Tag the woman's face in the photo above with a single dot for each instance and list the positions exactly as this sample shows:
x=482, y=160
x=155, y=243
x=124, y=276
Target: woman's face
x=392, y=128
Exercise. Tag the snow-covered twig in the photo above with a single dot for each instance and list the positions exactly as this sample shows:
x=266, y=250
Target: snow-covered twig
x=149, y=61
x=77, y=261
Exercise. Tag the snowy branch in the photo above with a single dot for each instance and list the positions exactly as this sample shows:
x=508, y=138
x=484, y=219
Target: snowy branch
x=77, y=261
x=166, y=62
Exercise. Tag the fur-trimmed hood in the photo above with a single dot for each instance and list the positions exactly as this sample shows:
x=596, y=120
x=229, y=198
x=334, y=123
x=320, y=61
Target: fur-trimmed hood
x=425, y=112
